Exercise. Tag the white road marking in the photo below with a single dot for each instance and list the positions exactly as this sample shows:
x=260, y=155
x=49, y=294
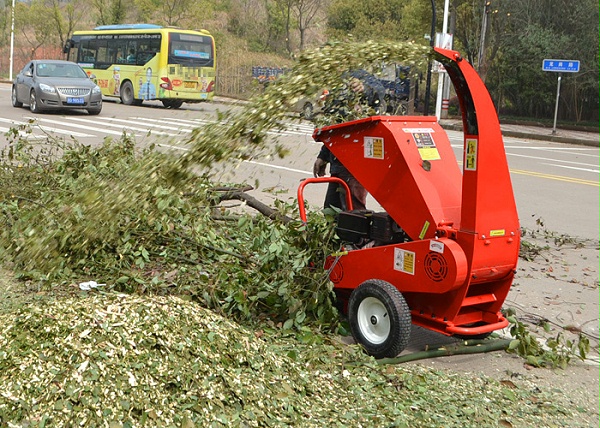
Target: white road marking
x=284, y=168
x=268, y=165
x=74, y=125
x=47, y=129
x=127, y=128
x=550, y=159
x=573, y=167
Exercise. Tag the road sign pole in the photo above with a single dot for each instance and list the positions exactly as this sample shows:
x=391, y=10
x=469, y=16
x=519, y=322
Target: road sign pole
x=556, y=106
x=560, y=66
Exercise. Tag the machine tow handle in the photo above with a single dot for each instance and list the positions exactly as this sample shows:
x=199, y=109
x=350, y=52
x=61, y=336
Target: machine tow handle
x=303, y=183
x=486, y=328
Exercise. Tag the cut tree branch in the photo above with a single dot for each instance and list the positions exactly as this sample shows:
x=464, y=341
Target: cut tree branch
x=241, y=195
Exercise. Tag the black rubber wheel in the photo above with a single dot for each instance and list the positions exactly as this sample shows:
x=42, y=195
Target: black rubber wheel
x=174, y=104
x=33, y=103
x=14, y=99
x=308, y=111
x=127, y=96
x=379, y=318
x=94, y=111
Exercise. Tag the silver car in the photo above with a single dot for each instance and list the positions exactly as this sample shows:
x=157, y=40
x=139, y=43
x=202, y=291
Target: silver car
x=46, y=84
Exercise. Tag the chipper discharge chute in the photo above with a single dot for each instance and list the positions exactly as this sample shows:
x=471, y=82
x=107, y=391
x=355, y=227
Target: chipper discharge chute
x=444, y=252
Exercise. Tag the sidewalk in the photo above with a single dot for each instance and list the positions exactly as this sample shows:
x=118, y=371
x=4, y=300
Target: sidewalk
x=530, y=132
x=536, y=133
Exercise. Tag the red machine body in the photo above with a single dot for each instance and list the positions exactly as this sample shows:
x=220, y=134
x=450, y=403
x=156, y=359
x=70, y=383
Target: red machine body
x=457, y=264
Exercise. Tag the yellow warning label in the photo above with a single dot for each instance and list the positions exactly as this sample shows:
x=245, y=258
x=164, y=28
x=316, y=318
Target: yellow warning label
x=429, y=153
x=424, y=230
x=471, y=155
x=373, y=147
x=498, y=232
x=404, y=261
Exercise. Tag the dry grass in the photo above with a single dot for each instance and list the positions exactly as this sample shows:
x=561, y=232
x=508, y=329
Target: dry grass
x=234, y=68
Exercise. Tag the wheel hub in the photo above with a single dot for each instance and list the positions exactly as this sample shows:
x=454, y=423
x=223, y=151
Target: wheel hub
x=373, y=320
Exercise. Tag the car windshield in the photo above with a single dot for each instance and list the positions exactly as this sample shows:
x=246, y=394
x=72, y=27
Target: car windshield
x=60, y=70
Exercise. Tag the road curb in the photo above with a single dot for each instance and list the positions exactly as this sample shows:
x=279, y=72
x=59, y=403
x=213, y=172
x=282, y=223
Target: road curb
x=457, y=127
x=531, y=136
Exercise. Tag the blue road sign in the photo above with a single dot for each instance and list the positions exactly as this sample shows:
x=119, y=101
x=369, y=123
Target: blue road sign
x=561, y=65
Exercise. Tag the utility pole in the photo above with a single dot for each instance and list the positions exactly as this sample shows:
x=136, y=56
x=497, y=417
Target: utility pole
x=432, y=44
x=481, y=57
x=12, y=40
x=441, y=105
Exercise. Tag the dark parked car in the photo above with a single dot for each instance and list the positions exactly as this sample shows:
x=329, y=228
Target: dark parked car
x=310, y=107
x=55, y=85
x=371, y=92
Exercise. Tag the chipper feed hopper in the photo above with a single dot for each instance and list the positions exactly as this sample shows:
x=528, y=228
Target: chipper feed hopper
x=444, y=252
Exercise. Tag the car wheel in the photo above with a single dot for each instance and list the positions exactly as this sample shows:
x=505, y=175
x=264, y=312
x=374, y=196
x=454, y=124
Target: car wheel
x=127, y=97
x=14, y=99
x=94, y=111
x=308, y=111
x=379, y=318
x=174, y=104
x=33, y=103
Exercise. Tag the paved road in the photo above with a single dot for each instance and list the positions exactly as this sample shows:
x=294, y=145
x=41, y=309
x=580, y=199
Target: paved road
x=556, y=183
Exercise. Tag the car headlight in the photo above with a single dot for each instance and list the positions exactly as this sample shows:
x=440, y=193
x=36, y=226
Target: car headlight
x=47, y=88
x=96, y=90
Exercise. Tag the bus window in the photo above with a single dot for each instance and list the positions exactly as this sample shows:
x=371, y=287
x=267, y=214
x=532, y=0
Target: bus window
x=147, y=49
x=131, y=56
x=104, y=59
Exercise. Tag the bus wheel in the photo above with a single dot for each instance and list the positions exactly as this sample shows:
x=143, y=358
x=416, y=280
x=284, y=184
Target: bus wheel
x=127, y=93
x=172, y=103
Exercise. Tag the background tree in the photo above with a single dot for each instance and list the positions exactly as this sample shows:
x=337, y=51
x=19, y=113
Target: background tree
x=66, y=16
x=307, y=13
x=247, y=19
x=283, y=10
x=33, y=21
x=366, y=19
x=110, y=11
x=534, y=30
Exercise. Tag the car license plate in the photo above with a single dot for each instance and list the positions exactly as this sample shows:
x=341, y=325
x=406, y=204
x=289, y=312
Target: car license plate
x=189, y=85
x=72, y=100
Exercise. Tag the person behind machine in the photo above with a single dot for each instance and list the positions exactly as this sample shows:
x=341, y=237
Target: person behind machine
x=335, y=196
x=347, y=106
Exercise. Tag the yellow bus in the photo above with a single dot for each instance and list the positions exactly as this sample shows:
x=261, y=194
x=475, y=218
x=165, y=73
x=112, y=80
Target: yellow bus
x=137, y=62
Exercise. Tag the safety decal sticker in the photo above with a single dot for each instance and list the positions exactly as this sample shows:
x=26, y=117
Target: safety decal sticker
x=497, y=232
x=373, y=148
x=471, y=155
x=424, y=230
x=425, y=144
x=436, y=246
x=404, y=261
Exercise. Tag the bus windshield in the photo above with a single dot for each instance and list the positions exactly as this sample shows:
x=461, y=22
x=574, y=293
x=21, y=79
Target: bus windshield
x=190, y=50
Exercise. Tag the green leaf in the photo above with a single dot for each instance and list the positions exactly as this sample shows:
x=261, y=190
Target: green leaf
x=514, y=344
x=288, y=324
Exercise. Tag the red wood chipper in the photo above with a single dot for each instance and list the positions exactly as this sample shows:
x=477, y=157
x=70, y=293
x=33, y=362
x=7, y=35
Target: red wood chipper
x=443, y=254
